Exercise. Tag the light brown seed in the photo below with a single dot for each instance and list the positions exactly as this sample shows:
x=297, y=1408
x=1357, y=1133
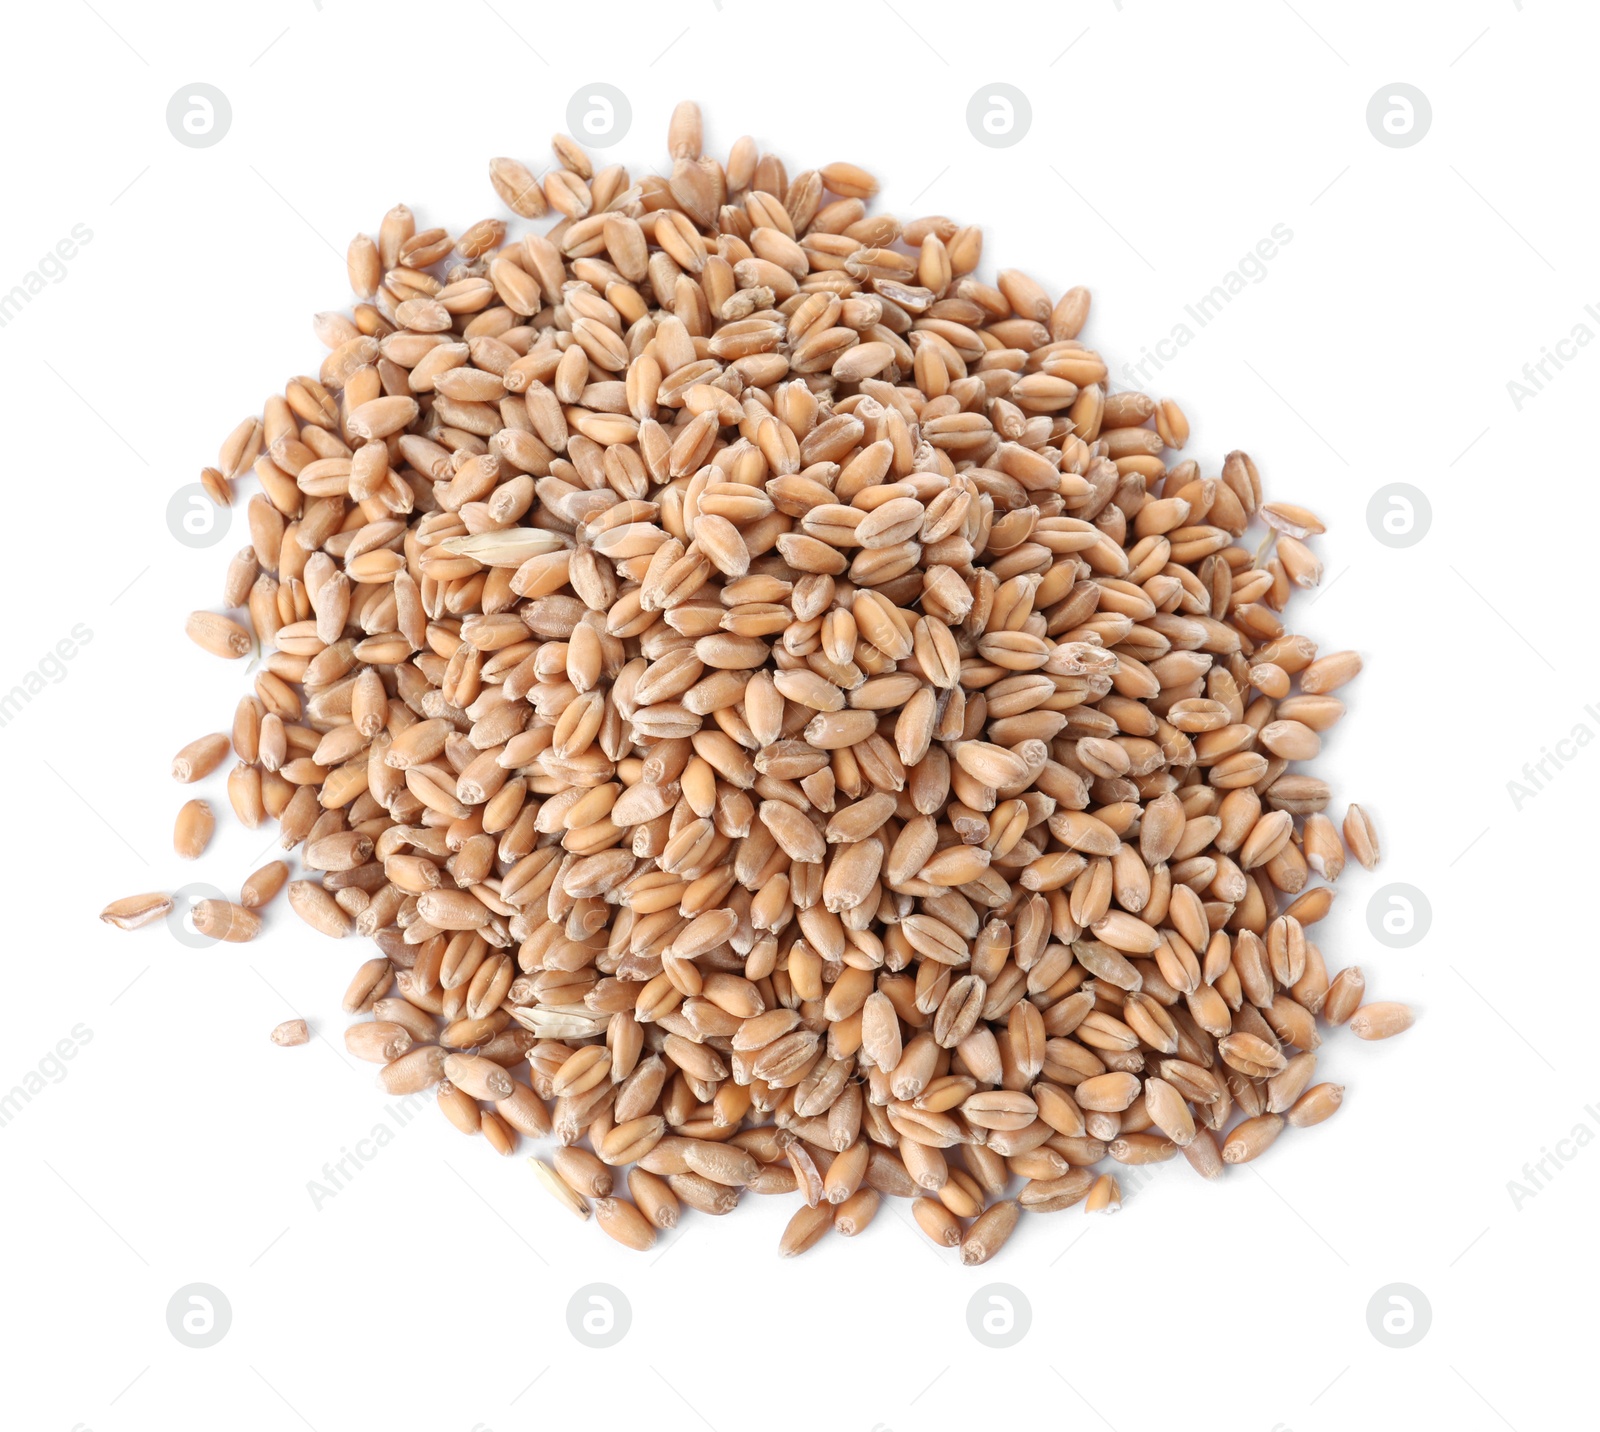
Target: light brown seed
x=1252, y=1138
x=805, y=1229
x=192, y=831
x=291, y=1031
x=200, y=758
x=220, y=635
x=1382, y=1020
x=317, y=908
x=1052, y=1195
x=132, y=911
x=654, y=1199
x=715, y=614
x=1203, y=1155
x=1319, y=1102
x=989, y=1232
x=856, y=1212
x=557, y=1187
x=1344, y=996
x=223, y=920
x=1329, y=673
x=262, y=887
x=938, y=1222
x=620, y=1220
x=519, y=191
x=1361, y=838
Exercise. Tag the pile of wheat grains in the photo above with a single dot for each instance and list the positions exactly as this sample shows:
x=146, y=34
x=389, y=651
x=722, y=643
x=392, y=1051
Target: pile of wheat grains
x=785, y=724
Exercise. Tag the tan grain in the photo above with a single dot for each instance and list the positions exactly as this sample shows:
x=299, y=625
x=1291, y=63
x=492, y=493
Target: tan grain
x=786, y=718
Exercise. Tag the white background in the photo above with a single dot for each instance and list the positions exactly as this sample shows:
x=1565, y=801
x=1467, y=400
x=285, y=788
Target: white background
x=1167, y=140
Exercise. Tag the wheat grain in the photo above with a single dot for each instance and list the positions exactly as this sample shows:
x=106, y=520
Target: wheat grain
x=132, y=911
x=193, y=829
x=760, y=678
x=1382, y=1020
x=290, y=1032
